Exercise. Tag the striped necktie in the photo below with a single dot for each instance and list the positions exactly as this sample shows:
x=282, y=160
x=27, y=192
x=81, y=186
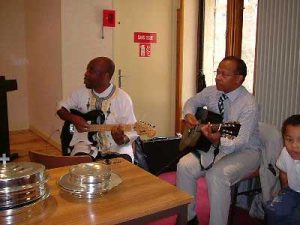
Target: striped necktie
x=222, y=98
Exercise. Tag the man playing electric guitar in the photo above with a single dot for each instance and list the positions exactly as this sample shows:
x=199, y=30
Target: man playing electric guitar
x=114, y=106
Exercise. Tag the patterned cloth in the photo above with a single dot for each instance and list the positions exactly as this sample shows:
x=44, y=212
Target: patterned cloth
x=222, y=98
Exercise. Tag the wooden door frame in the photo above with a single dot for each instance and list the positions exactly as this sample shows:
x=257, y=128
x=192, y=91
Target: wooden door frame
x=179, y=67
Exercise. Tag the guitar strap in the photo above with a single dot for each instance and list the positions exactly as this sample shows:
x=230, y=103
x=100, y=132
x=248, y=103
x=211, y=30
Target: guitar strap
x=103, y=104
x=197, y=153
x=206, y=116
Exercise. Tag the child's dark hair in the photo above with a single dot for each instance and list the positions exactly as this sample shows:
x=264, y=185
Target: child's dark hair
x=293, y=120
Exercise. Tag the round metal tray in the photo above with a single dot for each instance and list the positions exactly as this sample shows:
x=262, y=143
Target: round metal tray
x=89, y=173
x=89, y=180
x=25, y=211
x=21, y=183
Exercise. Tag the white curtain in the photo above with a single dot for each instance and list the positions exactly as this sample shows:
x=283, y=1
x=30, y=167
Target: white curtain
x=277, y=73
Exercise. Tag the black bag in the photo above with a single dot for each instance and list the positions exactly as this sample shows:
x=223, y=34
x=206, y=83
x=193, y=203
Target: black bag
x=159, y=151
x=139, y=155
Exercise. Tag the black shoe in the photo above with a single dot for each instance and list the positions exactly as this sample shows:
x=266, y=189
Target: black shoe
x=193, y=221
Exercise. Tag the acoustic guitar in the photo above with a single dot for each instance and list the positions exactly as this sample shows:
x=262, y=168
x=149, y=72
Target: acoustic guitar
x=192, y=136
x=192, y=139
x=96, y=118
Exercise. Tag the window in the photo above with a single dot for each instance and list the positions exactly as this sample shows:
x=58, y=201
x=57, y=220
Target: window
x=240, y=38
x=225, y=27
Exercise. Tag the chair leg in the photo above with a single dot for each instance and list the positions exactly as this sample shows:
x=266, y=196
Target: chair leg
x=234, y=193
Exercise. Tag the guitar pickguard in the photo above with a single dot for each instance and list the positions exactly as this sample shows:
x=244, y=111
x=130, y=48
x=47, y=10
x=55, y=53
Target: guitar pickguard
x=69, y=135
x=68, y=130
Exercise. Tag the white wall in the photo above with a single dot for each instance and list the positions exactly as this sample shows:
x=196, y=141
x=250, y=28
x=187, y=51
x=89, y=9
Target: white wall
x=189, y=49
x=62, y=37
x=43, y=50
x=51, y=42
x=13, y=60
x=150, y=81
x=82, y=39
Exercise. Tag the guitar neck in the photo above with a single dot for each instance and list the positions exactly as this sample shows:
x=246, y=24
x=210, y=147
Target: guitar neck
x=214, y=126
x=108, y=127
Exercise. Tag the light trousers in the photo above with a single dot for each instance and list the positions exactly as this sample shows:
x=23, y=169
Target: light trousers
x=226, y=171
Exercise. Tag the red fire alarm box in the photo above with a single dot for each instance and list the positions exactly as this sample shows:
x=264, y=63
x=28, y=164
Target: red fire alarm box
x=109, y=18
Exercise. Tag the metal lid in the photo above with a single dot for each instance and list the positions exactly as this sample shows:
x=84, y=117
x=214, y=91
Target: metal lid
x=21, y=183
x=89, y=180
x=21, y=173
x=89, y=173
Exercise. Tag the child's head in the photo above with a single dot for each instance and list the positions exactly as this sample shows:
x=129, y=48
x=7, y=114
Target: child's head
x=291, y=136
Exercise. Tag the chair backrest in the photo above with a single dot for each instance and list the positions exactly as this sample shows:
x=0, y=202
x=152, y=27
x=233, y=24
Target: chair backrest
x=51, y=161
x=272, y=142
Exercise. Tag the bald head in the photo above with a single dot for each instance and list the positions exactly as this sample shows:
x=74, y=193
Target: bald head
x=98, y=74
x=105, y=63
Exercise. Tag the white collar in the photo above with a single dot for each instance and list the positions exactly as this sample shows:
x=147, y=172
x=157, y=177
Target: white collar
x=104, y=93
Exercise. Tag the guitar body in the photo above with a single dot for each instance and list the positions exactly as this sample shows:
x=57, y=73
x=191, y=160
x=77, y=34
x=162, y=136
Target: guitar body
x=192, y=137
x=94, y=117
x=189, y=138
x=70, y=136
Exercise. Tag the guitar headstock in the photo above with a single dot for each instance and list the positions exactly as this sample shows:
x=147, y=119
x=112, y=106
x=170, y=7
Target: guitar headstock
x=230, y=129
x=143, y=128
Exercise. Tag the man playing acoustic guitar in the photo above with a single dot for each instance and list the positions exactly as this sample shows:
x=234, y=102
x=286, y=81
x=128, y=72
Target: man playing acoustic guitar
x=109, y=104
x=237, y=157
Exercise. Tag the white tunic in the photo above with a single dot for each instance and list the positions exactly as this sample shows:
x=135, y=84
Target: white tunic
x=118, y=109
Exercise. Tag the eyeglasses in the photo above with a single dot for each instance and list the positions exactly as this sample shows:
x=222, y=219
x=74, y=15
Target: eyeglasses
x=223, y=74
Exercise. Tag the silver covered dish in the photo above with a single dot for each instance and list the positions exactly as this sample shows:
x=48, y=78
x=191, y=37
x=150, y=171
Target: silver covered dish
x=89, y=180
x=22, y=183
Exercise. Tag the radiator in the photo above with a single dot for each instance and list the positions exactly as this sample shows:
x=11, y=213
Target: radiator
x=277, y=70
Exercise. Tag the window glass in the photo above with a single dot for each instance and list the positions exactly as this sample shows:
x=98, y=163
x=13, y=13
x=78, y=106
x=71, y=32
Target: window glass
x=214, y=37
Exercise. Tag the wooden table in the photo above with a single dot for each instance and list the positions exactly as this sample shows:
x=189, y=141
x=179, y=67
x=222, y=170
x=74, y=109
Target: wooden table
x=140, y=198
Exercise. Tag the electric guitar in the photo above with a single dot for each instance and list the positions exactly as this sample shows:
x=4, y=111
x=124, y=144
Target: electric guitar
x=96, y=118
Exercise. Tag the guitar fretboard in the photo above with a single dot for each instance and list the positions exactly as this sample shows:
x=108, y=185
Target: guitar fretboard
x=214, y=127
x=108, y=127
